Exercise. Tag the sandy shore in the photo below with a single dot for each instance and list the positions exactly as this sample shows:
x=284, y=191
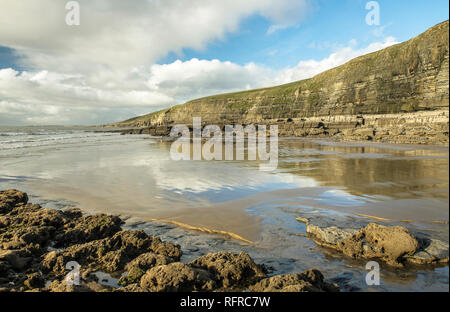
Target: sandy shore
x=40, y=248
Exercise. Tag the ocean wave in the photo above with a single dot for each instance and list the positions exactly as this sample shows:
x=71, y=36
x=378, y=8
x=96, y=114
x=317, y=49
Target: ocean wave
x=13, y=134
x=33, y=140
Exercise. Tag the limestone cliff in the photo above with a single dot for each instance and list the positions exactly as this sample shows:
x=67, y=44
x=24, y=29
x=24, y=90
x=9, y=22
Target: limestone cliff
x=367, y=92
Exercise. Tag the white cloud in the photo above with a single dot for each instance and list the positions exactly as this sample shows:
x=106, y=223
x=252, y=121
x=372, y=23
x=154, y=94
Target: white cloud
x=310, y=68
x=115, y=35
x=48, y=97
x=51, y=97
x=104, y=70
x=194, y=78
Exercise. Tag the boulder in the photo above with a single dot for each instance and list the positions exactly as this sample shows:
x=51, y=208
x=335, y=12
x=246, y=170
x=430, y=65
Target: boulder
x=14, y=258
x=177, y=277
x=137, y=267
x=89, y=228
x=109, y=254
x=308, y=281
x=394, y=245
x=11, y=198
x=34, y=280
x=231, y=270
x=389, y=244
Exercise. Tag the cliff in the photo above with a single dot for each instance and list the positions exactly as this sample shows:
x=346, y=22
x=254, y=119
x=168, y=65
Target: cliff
x=406, y=84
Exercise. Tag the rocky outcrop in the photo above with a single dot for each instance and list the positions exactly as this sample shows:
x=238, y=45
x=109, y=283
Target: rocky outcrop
x=137, y=267
x=308, y=281
x=399, y=94
x=394, y=245
x=230, y=270
x=29, y=260
x=177, y=277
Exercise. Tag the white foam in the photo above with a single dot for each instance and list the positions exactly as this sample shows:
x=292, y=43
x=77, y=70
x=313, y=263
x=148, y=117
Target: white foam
x=15, y=140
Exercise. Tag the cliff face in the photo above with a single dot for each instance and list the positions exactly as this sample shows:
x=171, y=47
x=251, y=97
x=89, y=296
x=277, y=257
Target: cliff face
x=409, y=77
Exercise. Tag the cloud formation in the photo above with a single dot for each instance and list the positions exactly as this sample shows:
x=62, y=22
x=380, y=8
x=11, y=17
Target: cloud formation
x=105, y=69
x=114, y=34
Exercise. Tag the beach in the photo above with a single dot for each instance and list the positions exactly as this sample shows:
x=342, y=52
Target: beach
x=211, y=206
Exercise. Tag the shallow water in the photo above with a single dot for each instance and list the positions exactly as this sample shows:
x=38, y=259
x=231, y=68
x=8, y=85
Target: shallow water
x=134, y=176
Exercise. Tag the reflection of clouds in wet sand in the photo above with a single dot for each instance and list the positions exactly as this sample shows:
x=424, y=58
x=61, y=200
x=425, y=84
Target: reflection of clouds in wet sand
x=137, y=177
x=198, y=177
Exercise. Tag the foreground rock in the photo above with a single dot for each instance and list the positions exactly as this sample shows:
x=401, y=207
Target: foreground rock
x=308, y=281
x=394, y=245
x=39, y=247
x=177, y=277
x=110, y=254
x=230, y=270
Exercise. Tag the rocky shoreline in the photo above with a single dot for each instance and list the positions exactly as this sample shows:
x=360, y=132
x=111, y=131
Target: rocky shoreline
x=40, y=247
x=393, y=245
x=425, y=128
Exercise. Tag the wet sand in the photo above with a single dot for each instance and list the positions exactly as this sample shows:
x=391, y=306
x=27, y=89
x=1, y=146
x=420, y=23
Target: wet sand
x=136, y=177
x=133, y=176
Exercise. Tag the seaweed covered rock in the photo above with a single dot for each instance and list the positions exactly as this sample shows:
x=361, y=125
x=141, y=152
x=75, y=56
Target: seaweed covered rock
x=11, y=198
x=394, y=245
x=177, y=277
x=109, y=254
x=308, y=281
x=63, y=286
x=89, y=228
x=231, y=270
x=137, y=267
x=23, y=224
x=14, y=259
x=34, y=281
x=431, y=251
x=390, y=244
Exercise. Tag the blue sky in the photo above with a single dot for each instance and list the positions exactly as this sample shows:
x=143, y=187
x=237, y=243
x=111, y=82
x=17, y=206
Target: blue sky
x=332, y=24
x=123, y=61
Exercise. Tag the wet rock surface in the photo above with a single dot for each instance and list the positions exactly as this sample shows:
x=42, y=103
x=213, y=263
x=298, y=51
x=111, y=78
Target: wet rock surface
x=231, y=270
x=308, y=281
x=394, y=245
x=41, y=248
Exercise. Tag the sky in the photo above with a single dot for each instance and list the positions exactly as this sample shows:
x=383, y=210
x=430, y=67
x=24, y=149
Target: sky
x=128, y=58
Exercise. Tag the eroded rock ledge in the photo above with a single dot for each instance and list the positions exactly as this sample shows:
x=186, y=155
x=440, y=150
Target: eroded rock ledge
x=36, y=244
x=394, y=245
x=426, y=127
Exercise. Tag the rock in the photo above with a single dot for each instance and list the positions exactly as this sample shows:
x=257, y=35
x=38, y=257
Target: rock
x=137, y=267
x=329, y=236
x=308, y=281
x=392, y=244
x=62, y=286
x=176, y=277
x=231, y=270
x=389, y=244
x=14, y=258
x=4, y=266
x=431, y=252
x=109, y=254
x=24, y=236
x=89, y=228
x=11, y=198
x=34, y=280
x=130, y=288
